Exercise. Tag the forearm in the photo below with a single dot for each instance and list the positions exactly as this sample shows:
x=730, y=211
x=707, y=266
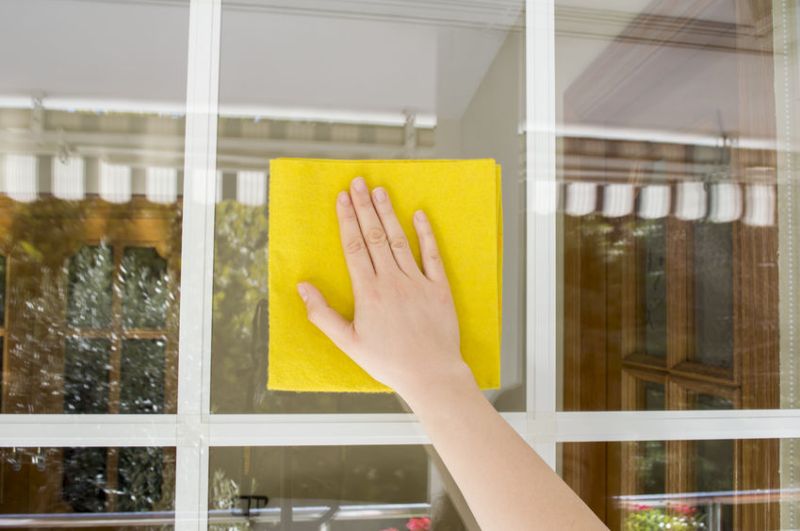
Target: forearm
x=505, y=483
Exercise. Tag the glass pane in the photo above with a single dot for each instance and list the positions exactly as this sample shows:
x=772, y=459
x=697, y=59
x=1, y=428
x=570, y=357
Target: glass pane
x=341, y=488
x=142, y=376
x=140, y=483
x=85, y=479
x=432, y=83
x=713, y=293
x=707, y=401
x=714, y=472
x=654, y=397
x=676, y=129
x=77, y=488
x=89, y=291
x=653, y=237
x=146, y=294
x=86, y=375
x=651, y=466
x=2, y=290
x=687, y=484
x=91, y=186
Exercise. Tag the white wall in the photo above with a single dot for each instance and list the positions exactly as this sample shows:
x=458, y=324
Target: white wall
x=489, y=128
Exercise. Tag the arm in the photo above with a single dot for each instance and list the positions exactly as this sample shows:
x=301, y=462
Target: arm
x=405, y=334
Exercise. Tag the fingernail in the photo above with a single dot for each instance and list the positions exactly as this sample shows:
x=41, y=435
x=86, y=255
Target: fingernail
x=419, y=215
x=343, y=198
x=359, y=184
x=380, y=194
x=301, y=289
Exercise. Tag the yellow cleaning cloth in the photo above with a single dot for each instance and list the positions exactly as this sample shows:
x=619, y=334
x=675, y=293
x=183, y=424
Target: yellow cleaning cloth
x=462, y=199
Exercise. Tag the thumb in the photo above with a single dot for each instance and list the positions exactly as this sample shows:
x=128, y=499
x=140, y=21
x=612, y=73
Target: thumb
x=328, y=320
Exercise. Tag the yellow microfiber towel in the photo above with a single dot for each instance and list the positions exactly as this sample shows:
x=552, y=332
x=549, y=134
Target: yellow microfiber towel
x=462, y=199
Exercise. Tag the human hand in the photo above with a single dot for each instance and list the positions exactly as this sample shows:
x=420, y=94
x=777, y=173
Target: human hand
x=405, y=330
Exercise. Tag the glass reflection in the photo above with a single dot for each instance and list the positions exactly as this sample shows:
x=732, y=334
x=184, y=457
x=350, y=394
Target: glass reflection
x=688, y=485
x=142, y=376
x=86, y=369
x=677, y=272
x=2, y=291
x=339, y=488
x=90, y=201
x=713, y=298
x=145, y=285
x=89, y=292
x=447, y=82
x=76, y=488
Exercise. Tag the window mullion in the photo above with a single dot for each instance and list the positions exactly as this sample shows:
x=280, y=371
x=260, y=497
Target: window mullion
x=191, y=486
x=541, y=281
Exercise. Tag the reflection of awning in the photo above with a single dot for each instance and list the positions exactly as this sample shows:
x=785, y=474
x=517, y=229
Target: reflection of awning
x=723, y=497
x=353, y=512
x=73, y=178
x=716, y=202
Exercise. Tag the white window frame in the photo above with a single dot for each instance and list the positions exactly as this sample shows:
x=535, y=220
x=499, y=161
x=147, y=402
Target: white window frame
x=193, y=430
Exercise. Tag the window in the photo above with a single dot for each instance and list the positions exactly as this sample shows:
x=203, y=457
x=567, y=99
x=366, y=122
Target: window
x=650, y=264
x=76, y=479
x=91, y=162
x=673, y=276
x=2, y=320
x=130, y=342
x=699, y=490
x=333, y=486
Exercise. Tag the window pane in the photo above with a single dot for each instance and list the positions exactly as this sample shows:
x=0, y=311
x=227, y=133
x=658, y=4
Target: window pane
x=337, y=487
x=85, y=479
x=2, y=290
x=687, y=484
x=91, y=188
x=86, y=375
x=89, y=297
x=707, y=401
x=146, y=294
x=140, y=481
x=142, y=376
x=713, y=288
x=654, y=397
x=676, y=130
x=651, y=466
x=714, y=472
x=445, y=83
x=2, y=360
x=77, y=488
x=653, y=237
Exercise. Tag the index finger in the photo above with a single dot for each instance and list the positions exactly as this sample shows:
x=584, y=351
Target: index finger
x=355, y=249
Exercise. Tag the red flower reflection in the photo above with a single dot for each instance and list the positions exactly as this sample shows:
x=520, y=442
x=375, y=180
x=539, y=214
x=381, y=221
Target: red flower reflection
x=419, y=524
x=686, y=510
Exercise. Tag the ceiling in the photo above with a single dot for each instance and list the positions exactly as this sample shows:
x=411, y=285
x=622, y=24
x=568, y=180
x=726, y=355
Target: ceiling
x=358, y=56
x=379, y=56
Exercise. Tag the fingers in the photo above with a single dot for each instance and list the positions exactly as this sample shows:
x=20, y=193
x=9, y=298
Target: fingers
x=355, y=249
x=398, y=243
x=371, y=228
x=328, y=320
x=431, y=260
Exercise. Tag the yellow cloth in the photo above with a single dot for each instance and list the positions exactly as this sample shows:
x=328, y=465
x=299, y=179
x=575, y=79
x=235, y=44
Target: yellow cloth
x=462, y=199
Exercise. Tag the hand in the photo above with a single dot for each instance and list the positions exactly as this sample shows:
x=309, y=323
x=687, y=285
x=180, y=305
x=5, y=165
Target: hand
x=405, y=331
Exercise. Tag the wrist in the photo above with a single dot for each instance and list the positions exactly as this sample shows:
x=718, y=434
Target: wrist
x=438, y=385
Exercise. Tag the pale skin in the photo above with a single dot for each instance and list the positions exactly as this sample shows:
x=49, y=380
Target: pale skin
x=405, y=334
